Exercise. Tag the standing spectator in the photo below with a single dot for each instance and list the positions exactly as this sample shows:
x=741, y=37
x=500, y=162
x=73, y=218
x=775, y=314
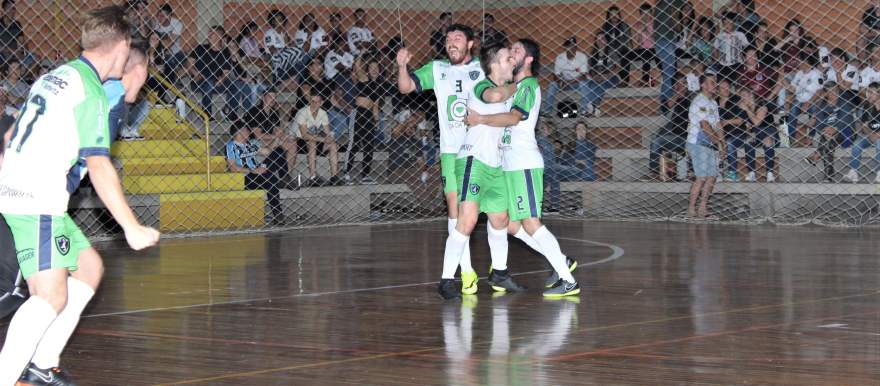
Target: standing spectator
x=729, y=46
x=806, y=83
x=870, y=130
x=264, y=121
x=14, y=83
x=665, y=25
x=170, y=27
x=672, y=136
x=249, y=43
x=438, y=37
x=829, y=121
x=371, y=91
x=643, y=30
x=241, y=156
x=617, y=36
x=11, y=34
x=704, y=139
x=489, y=33
x=584, y=153
x=310, y=32
x=313, y=128
x=212, y=69
x=733, y=124
x=359, y=36
x=869, y=29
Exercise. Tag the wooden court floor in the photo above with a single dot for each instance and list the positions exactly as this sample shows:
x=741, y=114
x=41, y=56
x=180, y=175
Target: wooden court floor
x=663, y=304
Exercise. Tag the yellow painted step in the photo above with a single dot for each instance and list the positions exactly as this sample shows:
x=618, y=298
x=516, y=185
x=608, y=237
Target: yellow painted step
x=157, y=130
x=211, y=211
x=173, y=165
x=182, y=183
x=158, y=148
x=162, y=114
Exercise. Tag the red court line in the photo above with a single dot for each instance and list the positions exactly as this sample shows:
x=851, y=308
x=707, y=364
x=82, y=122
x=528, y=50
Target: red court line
x=723, y=359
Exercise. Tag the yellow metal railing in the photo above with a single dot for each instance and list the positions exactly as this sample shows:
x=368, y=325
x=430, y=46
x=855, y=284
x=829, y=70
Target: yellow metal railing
x=198, y=110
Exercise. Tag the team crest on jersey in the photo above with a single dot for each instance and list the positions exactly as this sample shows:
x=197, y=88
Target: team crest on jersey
x=63, y=245
x=475, y=189
x=474, y=75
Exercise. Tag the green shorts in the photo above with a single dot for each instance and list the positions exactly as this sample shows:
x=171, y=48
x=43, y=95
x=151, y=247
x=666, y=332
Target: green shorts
x=525, y=189
x=46, y=242
x=481, y=184
x=447, y=172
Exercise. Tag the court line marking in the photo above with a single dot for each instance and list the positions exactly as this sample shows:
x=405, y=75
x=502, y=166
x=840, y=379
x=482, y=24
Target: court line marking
x=588, y=329
x=617, y=252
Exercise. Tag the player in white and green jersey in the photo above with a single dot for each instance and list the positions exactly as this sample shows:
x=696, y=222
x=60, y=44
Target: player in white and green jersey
x=478, y=168
x=524, y=168
x=64, y=120
x=452, y=80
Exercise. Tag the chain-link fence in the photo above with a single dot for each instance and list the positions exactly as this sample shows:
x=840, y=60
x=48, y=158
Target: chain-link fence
x=261, y=114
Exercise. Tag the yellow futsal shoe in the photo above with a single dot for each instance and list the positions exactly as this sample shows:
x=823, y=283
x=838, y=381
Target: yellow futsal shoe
x=469, y=282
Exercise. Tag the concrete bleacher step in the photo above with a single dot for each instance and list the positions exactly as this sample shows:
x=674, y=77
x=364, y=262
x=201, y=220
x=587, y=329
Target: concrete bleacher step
x=158, y=149
x=182, y=183
x=157, y=130
x=630, y=107
x=163, y=114
x=171, y=165
x=617, y=137
x=182, y=212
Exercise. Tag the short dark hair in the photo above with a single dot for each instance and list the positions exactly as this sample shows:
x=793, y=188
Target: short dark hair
x=840, y=53
x=276, y=16
x=466, y=30
x=875, y=86
x=359, y=10
x=488, y=16
x=645, y=7
x=534, y=50
x=705, y=76
x=489, y=54
x=166, y=8
x=612, y=8
x=6, y=122
x=445, y=14
x=7, y=3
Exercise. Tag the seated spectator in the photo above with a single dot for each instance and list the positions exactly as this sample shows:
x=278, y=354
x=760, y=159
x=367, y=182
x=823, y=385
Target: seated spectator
x=250, y=45
x=340, y=114
x=489, y=34
x=141, y=21
x=603, y=65
x=791, y=46
x=806, y=82
x=829, y=121
x=870, y=135
x=7, y=107
x=336, y=31
x=729, y=46
x=337, y=67
x=869, y=28
x=11, y=34
x=761, y=133
x=371, y=90
x=701, y=44
x=572, y=70
x=275, y=37
x=15, y=85
x=241, y=156
x=765, y=44
x=359, y=36
x=846, y=74
x=212, y=68
x=685, y=30
x=310, y=32
x=584, y=154
x=246, y=87
x=312, y=127
x=733, y=124
x=871, y=71
x=616, y=34
x=672, y=136
x=554, y=171
x=264, y=121
x=438, y=37
x=315, y=80
x=704, y=140
x=644, y=34
x=170, y=27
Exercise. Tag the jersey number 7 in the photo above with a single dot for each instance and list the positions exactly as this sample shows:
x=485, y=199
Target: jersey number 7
x=41, y=108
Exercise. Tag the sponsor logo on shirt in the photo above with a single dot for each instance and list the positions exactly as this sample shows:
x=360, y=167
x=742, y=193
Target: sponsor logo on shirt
x=24, y=255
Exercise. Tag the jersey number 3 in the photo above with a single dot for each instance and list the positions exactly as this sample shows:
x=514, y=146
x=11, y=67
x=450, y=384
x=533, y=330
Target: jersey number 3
x=458, y=86
x=40, y=102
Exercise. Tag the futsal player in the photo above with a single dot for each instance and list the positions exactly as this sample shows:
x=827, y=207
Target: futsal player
x=524, y=167
x=451, y=79
x=64, y=119
x=481, y=180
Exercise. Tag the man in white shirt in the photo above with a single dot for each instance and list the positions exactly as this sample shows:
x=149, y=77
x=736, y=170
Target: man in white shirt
x=312, y=127
x=806, y=83
x=703, y=141
x=359, y=36
x=275, y=38
x=572, y=71
x=310, y=31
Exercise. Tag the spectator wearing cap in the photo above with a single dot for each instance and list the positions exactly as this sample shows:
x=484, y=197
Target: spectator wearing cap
x=829, y=121
x=489, y=33
x=438, y=37
x=572, y=71
x=869, y=125
x=359, y=36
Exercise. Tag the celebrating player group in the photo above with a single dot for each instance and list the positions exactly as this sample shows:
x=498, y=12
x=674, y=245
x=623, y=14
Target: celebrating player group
x=488, y=108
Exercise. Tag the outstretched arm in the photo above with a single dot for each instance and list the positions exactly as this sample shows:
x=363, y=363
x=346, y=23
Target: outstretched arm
x=507, y=119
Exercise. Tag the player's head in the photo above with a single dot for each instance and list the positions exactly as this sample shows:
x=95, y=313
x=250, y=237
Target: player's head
x=106, y=33
x=527, y=55
x=459, y=43
x=496, y=62
x=135, y=73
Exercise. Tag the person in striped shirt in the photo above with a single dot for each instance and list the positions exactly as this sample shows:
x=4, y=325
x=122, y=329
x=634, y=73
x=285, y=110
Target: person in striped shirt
x=241, y=156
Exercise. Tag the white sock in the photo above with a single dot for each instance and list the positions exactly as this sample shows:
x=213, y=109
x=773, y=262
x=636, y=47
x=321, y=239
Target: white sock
x=455, y=243
x=529, y=240
x=26, y=329
x=554, y=255
x=497, y=247
x=49, y=350
x=465, y=262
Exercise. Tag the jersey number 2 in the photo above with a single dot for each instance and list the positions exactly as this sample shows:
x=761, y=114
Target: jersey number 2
x=41, y=108
x=519, y=202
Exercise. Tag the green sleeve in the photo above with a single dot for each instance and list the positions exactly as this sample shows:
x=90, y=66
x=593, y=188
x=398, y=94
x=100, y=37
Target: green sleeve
x=481, y=87
x=424, y=77
x=91, y=117
x=524, y=98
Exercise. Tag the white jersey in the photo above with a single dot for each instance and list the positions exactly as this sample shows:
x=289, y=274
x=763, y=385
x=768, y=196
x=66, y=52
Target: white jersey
x=451, y=85
x=318, y=40
x=518, y=144
x=702, y=109
x=483, y=142
x=850, y=74
x=867, y=76
x=65, y=119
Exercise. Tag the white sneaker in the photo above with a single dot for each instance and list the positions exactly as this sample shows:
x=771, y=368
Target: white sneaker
x=589, y=109
x=596, y=112
x=771, y=177
x=424, y=177
x=852, y=176
x=877, y=179
x=751, y=177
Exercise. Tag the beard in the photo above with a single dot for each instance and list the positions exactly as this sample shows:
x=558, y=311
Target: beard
x=518, y=68
x=462, y=54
